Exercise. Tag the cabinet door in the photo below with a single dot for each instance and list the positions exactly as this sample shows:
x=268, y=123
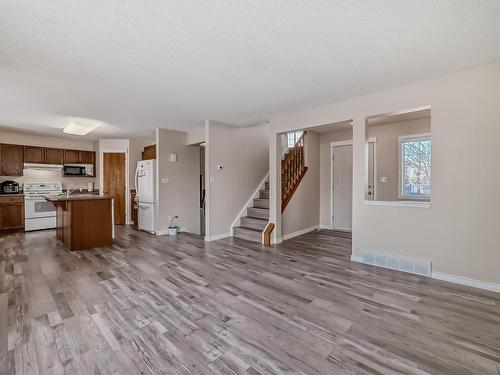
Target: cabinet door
x=54, y=156
x=33, y=154
x=87, y=157
x=11, y=160
x=11, y=215
x=71, y=156
x=149, y=152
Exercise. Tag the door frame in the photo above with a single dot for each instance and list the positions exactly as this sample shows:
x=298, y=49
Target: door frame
x=375, y=178
x=117, y=150
x=332, y=146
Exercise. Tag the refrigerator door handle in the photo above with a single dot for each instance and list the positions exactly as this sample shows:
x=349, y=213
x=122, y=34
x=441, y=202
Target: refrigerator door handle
x=137, y=180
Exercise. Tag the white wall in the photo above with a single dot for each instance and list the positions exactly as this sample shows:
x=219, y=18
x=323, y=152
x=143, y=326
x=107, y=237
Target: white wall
x=302, y=211
x=181, y=195
x=49, y=176
x=244, y=155
x=196, y=135
x=459, y=234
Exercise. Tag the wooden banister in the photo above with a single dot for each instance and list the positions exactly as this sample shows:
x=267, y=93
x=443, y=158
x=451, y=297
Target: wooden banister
x=293, y=170
x=267, y=234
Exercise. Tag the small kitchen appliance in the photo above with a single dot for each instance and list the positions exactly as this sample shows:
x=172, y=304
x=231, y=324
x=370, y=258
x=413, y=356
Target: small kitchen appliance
x=9, y=187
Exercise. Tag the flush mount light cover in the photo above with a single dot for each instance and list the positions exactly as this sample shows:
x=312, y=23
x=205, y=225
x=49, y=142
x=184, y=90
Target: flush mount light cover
x=80, y=128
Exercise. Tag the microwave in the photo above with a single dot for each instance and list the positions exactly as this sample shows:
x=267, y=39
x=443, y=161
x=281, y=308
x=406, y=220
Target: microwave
x=74, y=170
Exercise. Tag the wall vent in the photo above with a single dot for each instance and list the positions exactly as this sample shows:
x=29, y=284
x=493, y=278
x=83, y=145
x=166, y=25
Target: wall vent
x=396, y=262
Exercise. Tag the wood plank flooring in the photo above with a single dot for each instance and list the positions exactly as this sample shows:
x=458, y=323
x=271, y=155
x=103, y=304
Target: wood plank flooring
x=162, y=305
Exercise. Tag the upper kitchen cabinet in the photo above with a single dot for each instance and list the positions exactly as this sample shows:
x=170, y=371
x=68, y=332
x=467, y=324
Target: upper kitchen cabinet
x=34, y=154
x=149, y=152
x=11, y=160
x=87, y=157
x=79, y=157
x=54, y=156
x=71, y=156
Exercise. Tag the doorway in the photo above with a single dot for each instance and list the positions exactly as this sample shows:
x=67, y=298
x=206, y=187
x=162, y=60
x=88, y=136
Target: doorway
x=114, y=183
x=341, y=197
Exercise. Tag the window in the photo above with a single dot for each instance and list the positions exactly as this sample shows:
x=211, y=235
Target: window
x=293, y=137
x=415, y=167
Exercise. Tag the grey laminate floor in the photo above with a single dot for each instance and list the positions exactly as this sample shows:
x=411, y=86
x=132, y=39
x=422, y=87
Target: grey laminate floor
x=152, y=305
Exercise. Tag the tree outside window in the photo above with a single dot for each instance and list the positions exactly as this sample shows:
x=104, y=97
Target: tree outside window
x=416, y=176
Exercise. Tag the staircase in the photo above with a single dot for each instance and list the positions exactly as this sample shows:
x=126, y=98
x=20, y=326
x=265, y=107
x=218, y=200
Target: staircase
x=253, y=224
x=252, y=227
x=293, y=170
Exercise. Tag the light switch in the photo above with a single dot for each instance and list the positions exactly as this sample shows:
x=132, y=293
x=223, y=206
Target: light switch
x=164, y=180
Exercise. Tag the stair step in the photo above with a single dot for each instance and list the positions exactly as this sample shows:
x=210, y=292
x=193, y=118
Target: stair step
x=251, y=222
x=258, y=213
x=266, y=184
x=261, y=203
x=264, y=194
x=248, y=234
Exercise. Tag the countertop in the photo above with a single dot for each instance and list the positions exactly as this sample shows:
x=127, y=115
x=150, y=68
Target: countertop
x=12, y=195
x=75, y=197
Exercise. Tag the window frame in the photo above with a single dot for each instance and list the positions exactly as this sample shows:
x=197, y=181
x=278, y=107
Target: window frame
x=401, y=140
x=294, y=137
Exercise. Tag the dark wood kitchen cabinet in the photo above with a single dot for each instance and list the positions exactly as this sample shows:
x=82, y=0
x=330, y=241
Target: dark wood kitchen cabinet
x=11, y=212
x=54, y=156
x=71, y=156
x=11, y=160
x=34, y=154
x=87, y=157
x=149, y=152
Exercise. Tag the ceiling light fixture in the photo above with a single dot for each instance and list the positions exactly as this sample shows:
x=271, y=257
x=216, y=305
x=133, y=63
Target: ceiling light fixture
x=80, y=129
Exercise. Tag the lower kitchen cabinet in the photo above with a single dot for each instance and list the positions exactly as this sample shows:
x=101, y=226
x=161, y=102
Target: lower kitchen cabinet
x=11, y=212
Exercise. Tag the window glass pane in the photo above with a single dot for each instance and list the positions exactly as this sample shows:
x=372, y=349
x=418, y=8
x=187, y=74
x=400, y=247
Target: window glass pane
x=416, y=158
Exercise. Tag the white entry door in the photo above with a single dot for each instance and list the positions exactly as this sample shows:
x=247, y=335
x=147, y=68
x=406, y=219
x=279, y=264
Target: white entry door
x=342, y=188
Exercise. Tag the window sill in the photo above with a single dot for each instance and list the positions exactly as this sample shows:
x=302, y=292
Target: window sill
x=416, y=204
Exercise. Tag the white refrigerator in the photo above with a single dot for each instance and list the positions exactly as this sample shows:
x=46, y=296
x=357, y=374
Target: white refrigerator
x=145, y=186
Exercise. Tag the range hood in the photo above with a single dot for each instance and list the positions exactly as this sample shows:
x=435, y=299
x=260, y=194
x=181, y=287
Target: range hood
x=43, y=167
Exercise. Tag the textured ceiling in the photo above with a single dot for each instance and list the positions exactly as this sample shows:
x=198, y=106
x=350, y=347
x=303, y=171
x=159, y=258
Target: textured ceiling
x=136, y=65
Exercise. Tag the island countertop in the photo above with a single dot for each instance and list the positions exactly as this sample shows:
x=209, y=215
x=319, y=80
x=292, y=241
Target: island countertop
x=75, y=197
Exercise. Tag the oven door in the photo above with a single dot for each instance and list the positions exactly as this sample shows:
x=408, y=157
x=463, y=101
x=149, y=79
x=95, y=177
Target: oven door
x=35, y=207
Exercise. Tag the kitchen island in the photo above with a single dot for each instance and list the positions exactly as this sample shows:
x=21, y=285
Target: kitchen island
x=83, y=221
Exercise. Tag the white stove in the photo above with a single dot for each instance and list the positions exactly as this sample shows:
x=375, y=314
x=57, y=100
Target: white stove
x=38, y=213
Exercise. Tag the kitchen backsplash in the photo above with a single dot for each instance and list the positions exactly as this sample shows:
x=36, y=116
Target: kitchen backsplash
x=51, y=176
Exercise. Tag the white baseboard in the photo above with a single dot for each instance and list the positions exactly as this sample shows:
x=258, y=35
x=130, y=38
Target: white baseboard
x=277, y=241
x=357, y=259
x=298, y=233
x=217, y=237
x=486, y=285
x=323, y=226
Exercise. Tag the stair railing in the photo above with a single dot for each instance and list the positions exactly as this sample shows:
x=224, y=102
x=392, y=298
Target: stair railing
x=293, y=169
